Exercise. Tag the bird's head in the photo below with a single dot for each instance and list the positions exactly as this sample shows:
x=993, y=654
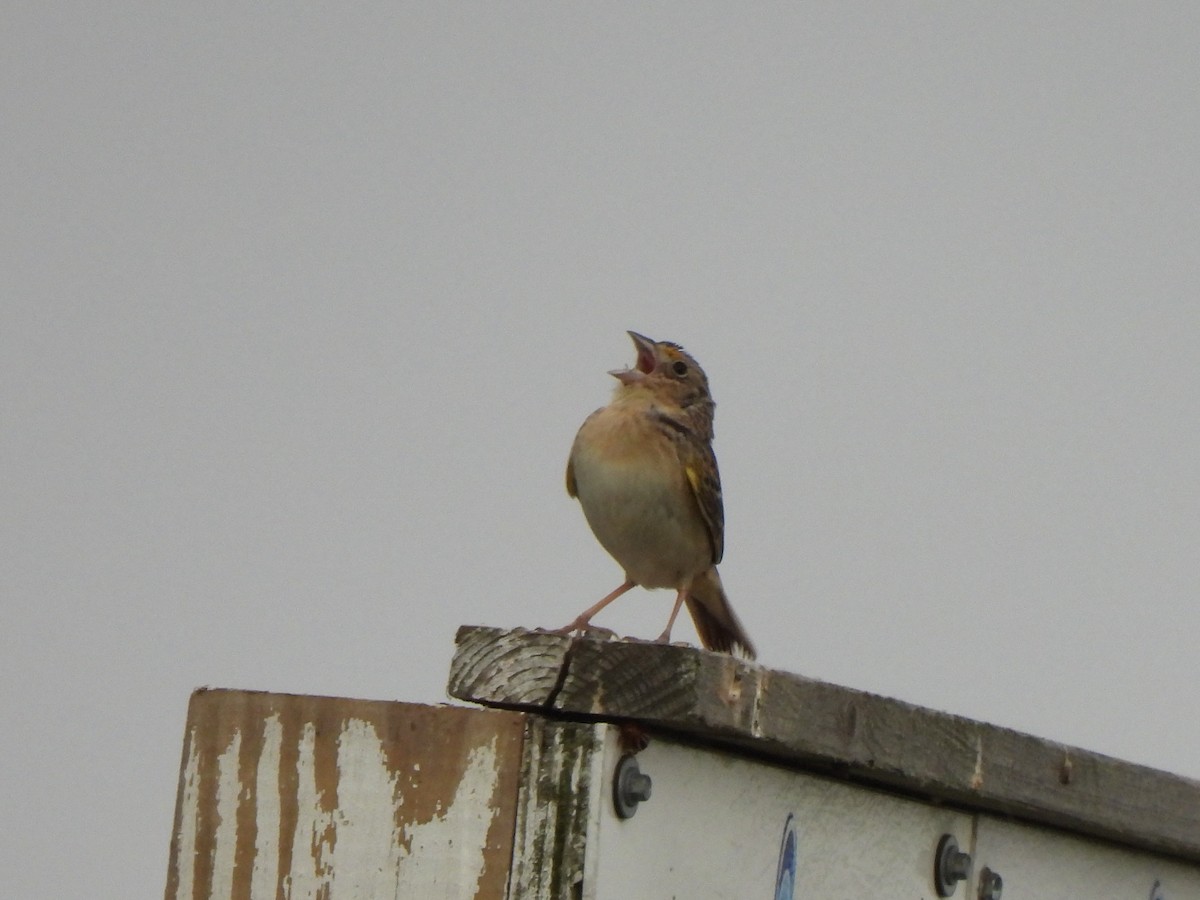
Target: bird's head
x=665, y=370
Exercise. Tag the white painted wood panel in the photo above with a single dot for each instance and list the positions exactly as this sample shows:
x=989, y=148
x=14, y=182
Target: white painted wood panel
x=317, y=798
x=1042, y=864
x=713, y=825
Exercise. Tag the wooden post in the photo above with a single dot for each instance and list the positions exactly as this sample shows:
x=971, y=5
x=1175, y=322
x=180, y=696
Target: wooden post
x=752, y=783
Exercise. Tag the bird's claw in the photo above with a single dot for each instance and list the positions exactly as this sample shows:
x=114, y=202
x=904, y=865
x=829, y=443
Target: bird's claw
x=587, y=629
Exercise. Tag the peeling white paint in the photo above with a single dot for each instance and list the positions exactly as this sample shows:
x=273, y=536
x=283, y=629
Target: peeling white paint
x=266, y=789
x=447, y=852
x=354, y=851
x=446, y=859
x=364, y=856
x=229, y=786
x=189, y=806
x=312, y=863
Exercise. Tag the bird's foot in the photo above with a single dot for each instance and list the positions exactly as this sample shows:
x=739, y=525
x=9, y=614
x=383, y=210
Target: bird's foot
x=586, y=628
x=665, y=640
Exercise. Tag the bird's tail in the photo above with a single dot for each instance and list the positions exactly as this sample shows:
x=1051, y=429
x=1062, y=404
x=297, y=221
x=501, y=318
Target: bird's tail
x=716, y=622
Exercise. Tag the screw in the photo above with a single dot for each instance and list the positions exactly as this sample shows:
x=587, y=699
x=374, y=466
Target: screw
x=630, y=786
x=950, y=866
x=991, y=885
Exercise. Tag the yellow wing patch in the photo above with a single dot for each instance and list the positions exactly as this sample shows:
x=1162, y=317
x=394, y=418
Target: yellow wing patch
x=706, y=488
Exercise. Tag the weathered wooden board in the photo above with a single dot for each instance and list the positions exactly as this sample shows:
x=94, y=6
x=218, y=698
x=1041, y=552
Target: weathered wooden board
x=722, y=701
x=322, y=797
x=558, y=810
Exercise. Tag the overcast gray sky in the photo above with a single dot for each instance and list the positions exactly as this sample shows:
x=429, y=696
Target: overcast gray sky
x=302, y=306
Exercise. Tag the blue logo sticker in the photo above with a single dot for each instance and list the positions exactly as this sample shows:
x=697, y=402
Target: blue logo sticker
x=785, y=874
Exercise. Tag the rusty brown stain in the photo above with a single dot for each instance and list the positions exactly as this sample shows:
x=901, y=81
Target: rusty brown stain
x=440, y=741
x=425, y=784
x=217, y=719
x=291, y=728
x=189, y=732
x=249, y=754
x=206, y=736
x=173, y=864
x=426, y=750
x=328, y=724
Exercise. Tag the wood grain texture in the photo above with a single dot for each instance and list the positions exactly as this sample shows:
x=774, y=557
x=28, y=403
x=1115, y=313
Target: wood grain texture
x=521, y=666
x=718, y=700
x=555, y=809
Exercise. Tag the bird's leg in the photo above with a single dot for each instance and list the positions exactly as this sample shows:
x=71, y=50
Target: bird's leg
x=581, y=621
x=665, y=637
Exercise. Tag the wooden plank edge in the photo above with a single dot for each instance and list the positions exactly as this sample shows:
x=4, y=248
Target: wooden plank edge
x=725, y=702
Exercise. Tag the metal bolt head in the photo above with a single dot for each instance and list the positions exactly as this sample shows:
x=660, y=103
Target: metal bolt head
x=991, y=885
x=630, y=786
x=950, y=866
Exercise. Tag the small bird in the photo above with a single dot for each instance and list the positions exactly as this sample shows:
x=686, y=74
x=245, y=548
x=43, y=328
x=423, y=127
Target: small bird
x=645, y=474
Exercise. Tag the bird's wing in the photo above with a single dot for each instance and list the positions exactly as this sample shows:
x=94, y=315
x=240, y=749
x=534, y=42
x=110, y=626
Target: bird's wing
x=700, y=466
x=571, y=490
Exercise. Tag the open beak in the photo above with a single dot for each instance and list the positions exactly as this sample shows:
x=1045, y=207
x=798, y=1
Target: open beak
x=646, y=360
x=645, y=364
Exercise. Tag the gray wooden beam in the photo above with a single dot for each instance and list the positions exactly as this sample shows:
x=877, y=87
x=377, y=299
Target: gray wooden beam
x=725, y=702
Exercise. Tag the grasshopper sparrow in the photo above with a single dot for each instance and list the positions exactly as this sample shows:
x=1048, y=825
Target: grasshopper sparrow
x=644, y=472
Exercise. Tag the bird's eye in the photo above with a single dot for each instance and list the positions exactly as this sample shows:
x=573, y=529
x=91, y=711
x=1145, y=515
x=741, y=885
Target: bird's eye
x=679, y=368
